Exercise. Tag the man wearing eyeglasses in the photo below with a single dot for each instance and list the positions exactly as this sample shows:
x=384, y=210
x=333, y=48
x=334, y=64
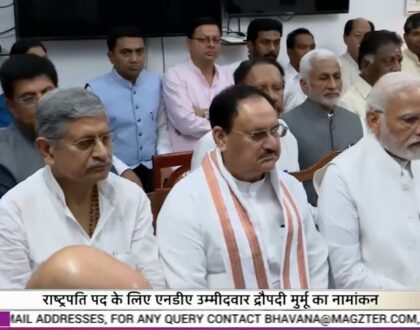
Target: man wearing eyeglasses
x=24, y=79
x=242, y=223
x=188, y=88
x=369, y=196
x=74, y=200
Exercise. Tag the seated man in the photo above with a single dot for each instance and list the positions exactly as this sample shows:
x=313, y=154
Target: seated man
x=237, y=222
x=370, y=216
x=21, y=46
x=74, y=199
x=84, y=267
x=267, y=75
x=189, y=87
x=24, y=79
x=318, y=124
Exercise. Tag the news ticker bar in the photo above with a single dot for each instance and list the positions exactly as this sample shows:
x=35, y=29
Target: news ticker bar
x=208, y=300
x=207, y=319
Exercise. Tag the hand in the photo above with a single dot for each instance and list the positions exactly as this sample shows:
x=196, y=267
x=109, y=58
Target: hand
x=200, y=112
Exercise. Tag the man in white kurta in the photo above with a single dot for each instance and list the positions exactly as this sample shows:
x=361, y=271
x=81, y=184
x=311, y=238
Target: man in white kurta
x=236, y=221
x=267, y=75
x=370, y=217
x=74, y=200
x=411, y=62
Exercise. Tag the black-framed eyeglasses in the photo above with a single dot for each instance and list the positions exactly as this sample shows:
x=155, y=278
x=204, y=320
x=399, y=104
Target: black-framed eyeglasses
x=208, y=40
x=90, y=143
x=261, y=135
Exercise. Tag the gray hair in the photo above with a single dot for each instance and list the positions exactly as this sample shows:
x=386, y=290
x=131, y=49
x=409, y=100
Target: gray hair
x=60, y=106
x=308, y=60
x=387, y=87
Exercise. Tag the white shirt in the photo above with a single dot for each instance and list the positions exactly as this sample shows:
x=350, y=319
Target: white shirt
x=370, y=218
x=288, y=160
x=355, y=99
x=191, y=239
x=293, y=94
x=35, y=223
x=410, y=62
x=349, y=71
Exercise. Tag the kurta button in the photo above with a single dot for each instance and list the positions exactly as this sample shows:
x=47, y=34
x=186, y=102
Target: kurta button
x=139, y=120
x=405, y=187
x=137, y=106
x=140, y=134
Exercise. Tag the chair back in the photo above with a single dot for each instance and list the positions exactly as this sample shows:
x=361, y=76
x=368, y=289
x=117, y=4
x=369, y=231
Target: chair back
x=157, y=198
x=181, y=160
x=308, y=174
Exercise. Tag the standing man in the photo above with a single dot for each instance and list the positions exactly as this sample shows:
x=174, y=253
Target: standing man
x=411, y=62
x=131, y=95
x=189, y=88
x=319, y=125
x=238, y=222
x=299, y=42
x=262, y=40
x=354, y=30
x=369, y=198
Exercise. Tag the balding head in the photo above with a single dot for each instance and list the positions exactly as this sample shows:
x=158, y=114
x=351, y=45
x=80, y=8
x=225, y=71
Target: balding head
x=83, y=267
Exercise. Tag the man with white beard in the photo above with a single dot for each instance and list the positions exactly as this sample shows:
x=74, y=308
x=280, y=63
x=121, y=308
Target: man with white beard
x=369, y=198
x=319, y=125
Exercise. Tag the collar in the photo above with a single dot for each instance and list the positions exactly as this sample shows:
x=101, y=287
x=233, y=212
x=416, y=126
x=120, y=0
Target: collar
x=106, y=191
x=197, y=70
x=122, y=81
x=362, y=86
x=316, y=109
x=347, y=57
x=250, y=187
x=291, y=71
x=412, y=56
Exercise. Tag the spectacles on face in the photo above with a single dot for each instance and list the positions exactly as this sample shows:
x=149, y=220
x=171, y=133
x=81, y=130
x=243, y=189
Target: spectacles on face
x=208, y=40
x=90, y=143
x=32, y=100
x=407, y=121
x=263, y=134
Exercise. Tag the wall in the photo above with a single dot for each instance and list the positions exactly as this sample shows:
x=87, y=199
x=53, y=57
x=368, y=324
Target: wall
x=78, y=61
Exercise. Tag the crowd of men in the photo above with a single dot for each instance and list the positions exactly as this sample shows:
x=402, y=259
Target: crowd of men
x=76, y=164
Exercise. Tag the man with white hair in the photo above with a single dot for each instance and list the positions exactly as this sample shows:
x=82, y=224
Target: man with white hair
x=369, y=198
x=319, y=125
x=74, y=200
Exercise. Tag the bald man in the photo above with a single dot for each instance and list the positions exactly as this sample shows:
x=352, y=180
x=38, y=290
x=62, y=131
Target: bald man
x=354, y=31
x=84, y=267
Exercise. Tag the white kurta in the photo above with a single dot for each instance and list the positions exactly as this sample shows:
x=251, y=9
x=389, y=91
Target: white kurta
x=410, y=62
x=191, y=239
x=293, y=94
x=35, y=222
x=349, y=71
x=368, y=209
x=288, y=160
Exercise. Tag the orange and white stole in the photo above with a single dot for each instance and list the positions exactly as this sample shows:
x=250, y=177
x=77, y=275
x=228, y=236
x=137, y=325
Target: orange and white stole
x=244, y=255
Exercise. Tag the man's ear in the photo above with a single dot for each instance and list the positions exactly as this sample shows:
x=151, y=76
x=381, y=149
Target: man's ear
x=220, y=137
x=46, y=148
x=110, y=56
x=373, y=121
x=304, y=86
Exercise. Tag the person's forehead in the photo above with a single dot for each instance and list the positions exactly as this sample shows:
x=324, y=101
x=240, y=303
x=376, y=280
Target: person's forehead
x=207, y=30
x=263, y=72
x=129, y=43
x=406, y=100
x=270, y=34
x=360, y=25
x=415, y=30
x=325, y=66
x=88, y=126
x=35, y=84
x=253, y=111
x=387, y=49
x=304, y=38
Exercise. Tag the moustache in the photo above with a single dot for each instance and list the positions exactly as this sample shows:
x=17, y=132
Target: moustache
x=98, y=163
